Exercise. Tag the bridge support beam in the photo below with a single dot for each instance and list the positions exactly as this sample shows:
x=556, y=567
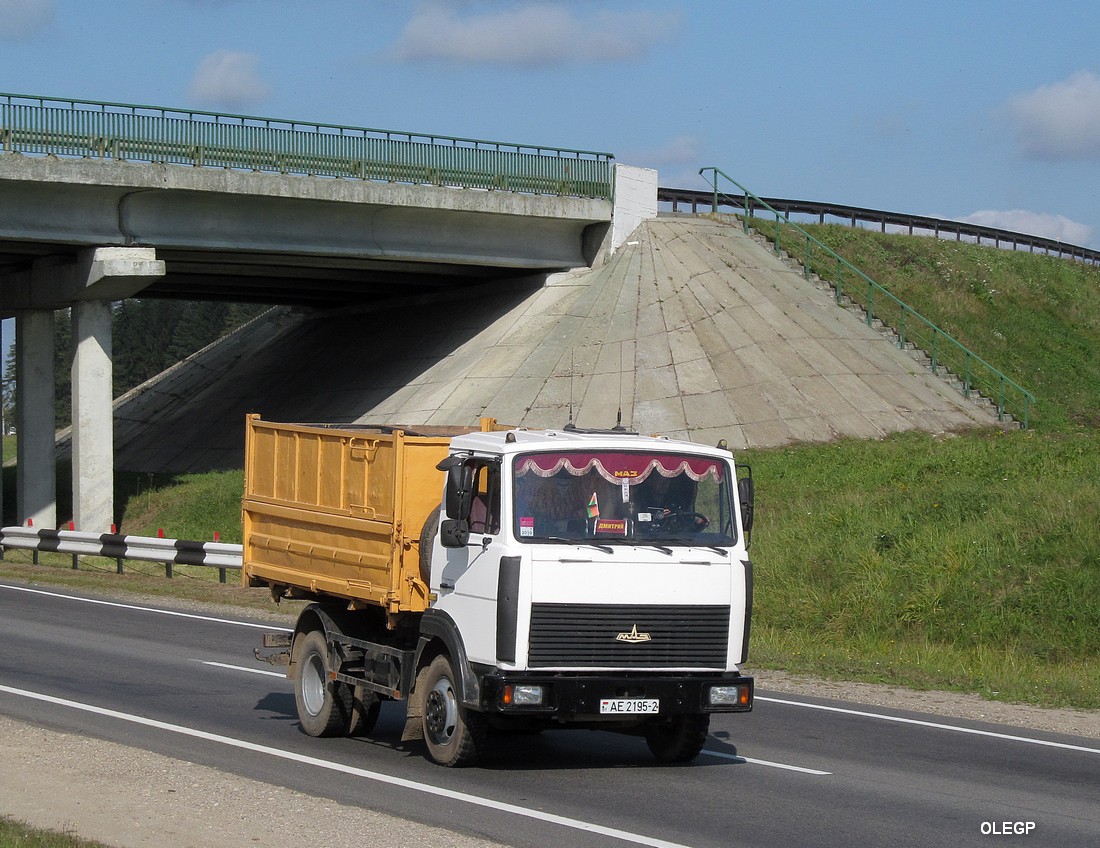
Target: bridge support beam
x=36, y=487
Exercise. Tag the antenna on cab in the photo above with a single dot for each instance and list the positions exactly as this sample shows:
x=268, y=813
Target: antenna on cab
x=570, y=425
x=618, y=428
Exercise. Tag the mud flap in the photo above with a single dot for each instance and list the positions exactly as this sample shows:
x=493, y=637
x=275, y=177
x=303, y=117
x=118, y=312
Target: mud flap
x=414, y=727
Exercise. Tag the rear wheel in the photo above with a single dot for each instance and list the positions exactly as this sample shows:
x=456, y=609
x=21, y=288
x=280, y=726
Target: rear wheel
x=678, y=739
x=324, y=706
x=451, y=732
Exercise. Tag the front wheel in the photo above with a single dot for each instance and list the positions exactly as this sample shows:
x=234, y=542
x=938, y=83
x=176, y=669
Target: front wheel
x=324, y=708
x=451, y=732
x=678, y=739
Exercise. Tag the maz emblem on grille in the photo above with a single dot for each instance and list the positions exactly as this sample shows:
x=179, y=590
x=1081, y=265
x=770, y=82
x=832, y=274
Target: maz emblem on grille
x=633, y=636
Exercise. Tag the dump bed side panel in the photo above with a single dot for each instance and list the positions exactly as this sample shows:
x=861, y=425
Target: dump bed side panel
x=339, y=512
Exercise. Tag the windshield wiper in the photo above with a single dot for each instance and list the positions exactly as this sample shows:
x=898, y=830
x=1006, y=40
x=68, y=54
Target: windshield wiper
x=682, y=541
x=604, y=548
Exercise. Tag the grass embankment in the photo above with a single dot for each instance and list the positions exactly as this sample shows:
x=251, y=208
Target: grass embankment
x=969, y=562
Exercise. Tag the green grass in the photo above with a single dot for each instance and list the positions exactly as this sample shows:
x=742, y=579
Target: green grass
x=969, y=562
x=14, y=834
x=189, y=506
x=192, y=506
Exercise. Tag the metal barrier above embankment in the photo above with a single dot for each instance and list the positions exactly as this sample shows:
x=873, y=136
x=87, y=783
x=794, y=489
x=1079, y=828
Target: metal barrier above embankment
x=53, y=126
x=856, y=216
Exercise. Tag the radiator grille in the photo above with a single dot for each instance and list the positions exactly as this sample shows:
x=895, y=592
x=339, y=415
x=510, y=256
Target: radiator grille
x=585, y=635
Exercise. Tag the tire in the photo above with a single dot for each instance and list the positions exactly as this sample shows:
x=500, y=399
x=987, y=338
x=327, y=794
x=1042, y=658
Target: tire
x=324, y=706
x=451, y=732
x=678, y=739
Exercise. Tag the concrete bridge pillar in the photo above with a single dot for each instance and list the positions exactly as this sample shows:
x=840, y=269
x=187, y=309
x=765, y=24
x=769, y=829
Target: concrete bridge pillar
x=103, y=275
x=93, y=421
x=89, y=285
x=36, y=488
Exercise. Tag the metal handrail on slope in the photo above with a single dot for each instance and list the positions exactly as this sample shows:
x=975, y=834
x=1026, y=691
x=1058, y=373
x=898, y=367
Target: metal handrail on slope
x=912, y=328
x=74, y=128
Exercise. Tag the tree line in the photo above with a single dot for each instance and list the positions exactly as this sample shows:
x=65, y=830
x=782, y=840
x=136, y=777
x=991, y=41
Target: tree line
x=148, y=336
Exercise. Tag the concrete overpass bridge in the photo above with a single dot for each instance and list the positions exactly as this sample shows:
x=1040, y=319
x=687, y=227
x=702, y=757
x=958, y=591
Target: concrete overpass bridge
x=422, y=280
x=100, y=202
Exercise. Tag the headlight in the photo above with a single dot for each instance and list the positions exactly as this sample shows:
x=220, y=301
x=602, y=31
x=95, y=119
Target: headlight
x=728, y=696
x=513, y=695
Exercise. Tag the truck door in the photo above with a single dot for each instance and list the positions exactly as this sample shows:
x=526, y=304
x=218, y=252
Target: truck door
x=465, y=579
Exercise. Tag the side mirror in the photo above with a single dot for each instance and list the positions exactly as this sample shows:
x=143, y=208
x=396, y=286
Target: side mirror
x=459, y=494
x=746, y=493
x=454, y=533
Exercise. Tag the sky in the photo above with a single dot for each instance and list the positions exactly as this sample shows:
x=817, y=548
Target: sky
x=980, y=111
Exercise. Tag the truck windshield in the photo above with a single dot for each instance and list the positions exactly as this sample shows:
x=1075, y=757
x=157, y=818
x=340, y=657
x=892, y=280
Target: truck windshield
x=607, y=496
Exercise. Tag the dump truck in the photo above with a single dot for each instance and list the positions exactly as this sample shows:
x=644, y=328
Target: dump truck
x=503, y=580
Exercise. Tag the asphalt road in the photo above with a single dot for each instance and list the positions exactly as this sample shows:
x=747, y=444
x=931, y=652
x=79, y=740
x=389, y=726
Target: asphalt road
x=795, y=771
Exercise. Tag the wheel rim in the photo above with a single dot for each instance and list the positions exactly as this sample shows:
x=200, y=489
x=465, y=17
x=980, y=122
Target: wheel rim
x=313, y=685
x=441, y=712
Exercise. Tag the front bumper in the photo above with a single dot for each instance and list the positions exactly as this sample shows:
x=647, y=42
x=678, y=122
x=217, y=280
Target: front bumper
x=570, y=696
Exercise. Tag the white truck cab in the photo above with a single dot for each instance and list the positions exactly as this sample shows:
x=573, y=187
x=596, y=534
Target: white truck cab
x=596, y=578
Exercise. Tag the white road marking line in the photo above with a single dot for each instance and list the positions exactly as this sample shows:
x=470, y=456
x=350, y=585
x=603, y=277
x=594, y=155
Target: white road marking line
x=118, y=605
x=737, y=758
x=426, y=788
x=242, y=668
x=936, y=725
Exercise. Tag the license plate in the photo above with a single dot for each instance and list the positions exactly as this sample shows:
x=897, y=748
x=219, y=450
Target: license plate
x=629, y=706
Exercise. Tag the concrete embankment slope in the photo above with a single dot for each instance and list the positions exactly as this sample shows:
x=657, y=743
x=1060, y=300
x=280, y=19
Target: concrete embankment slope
x=692, y=328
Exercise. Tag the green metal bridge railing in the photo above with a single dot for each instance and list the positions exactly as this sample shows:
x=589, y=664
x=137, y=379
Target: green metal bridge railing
x=946, y=352
x=74, y=128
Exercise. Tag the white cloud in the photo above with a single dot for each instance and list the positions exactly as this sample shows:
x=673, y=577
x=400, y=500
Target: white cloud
x=229, y=80
x=1041, y=224
x=22, y=18
x=1061, y=120
x=529, y=34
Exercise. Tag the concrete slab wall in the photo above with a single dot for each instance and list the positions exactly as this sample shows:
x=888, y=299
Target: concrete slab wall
x=696, y=331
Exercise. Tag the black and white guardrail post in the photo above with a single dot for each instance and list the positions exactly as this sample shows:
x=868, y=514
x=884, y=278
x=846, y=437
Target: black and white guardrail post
x=219, y=555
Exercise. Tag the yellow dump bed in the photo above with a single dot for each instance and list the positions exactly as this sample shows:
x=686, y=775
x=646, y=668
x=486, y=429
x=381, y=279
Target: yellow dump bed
x=337, y=511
